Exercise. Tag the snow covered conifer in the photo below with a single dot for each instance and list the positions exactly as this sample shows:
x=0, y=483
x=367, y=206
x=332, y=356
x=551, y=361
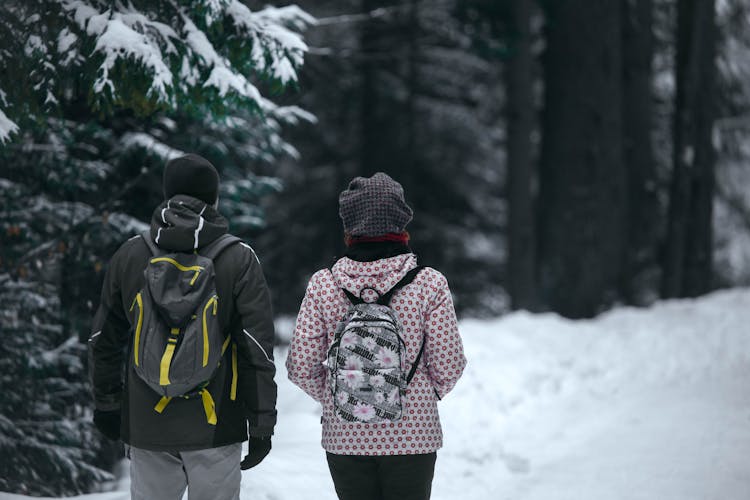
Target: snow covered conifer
x=95, y=95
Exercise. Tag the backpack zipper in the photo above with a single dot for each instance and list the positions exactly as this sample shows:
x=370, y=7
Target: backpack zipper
x=179, y=266
x=212, y=301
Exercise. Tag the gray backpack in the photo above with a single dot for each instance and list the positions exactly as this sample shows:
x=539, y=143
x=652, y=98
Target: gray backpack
x=367, y=362
x=178, y=342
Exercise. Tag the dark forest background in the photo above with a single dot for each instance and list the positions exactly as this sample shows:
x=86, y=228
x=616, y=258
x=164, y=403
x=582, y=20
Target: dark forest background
x=560, y=155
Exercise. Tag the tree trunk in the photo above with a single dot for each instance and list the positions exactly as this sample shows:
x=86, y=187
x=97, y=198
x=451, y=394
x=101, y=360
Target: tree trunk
x=688, y=251
x=640, y=273
x=520, y=114
x=370, y=122
x=583, y=185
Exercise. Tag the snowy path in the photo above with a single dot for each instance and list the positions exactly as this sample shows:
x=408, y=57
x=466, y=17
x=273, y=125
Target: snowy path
x=637, y=404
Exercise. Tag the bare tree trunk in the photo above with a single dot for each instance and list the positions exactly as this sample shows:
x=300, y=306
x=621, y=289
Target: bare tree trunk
x=371, y=47
x=640, y=269
x=583, y=185
x=412, y=82
x=688, y=252
x=520, y=115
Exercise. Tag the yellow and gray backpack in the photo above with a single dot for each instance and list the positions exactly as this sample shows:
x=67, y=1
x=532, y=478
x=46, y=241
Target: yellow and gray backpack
x=178, y=341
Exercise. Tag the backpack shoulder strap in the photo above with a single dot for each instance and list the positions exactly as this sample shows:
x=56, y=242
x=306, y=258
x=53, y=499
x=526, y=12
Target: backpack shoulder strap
x=385, y=299
x=217, y=246
x=152, y=247
x=416, y=362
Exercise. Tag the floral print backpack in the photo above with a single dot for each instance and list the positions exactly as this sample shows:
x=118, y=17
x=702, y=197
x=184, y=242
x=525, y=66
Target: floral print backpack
x=367, y=362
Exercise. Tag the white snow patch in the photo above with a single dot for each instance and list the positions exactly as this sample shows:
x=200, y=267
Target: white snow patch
x=149, y=143
x=291, y=115
x=83, y=12
x=118, y=41
x=65, y=40
x=226, y=80
x=290, y=14
x=638, y=404
x=7, y=127
x=127, y=223
x=97, y=23
x=198, y=42
x=271, y=37
x=33, y=44
x=288, y=39
x=283, y=70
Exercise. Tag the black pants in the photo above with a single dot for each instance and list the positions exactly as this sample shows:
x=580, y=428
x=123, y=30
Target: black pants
x=396, y=477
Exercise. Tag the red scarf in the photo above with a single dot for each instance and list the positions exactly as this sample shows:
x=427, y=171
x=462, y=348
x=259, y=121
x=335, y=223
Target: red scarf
x=391, y=237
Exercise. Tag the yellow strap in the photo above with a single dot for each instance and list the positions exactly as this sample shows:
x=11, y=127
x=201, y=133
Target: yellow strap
x=166, y=362
x=213, y=300
x=226, y=344
x=179, y=266
x=163, y=402
x=208, y=406
x=137, y=340
x=233, y=392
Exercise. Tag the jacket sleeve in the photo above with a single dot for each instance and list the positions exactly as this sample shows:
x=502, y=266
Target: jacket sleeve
x=107, y=346
x=255, y=339
x=444, y=352
x=307, y=350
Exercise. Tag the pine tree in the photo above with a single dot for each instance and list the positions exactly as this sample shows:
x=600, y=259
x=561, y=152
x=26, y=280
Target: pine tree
x=399, y=89
x=94, y=97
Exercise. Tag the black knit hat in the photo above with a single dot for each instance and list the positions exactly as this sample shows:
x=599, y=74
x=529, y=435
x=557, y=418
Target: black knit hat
x=374, y=206
x=192, y=175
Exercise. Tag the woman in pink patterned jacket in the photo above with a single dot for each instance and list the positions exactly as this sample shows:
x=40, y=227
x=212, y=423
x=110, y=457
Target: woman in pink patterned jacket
x=393, y=459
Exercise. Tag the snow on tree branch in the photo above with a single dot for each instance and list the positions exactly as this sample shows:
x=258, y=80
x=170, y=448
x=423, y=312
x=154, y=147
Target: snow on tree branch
x=200, y=57
x=7, y=127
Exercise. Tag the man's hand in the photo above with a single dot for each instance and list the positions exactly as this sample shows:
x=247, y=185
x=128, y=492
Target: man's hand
x=258, y=448
x=108, y=423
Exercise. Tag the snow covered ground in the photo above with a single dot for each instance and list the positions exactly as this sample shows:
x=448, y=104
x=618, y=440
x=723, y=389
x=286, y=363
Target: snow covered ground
x=636, y=404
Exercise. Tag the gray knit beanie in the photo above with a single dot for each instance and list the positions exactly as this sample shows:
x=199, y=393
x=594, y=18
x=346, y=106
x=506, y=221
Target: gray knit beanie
x=374, y=206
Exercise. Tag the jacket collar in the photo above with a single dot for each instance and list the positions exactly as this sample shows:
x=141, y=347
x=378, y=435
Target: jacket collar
x=186, y=224
x=380, y=275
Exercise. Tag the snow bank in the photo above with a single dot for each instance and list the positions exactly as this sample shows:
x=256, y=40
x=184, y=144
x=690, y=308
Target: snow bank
x=636, y=404
x=559, y=409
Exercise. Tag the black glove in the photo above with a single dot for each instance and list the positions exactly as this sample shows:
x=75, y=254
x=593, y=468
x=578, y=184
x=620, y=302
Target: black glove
x=108, y=423
x=258, y=448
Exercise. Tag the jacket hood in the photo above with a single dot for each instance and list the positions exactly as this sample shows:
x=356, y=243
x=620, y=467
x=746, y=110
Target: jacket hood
x=185, y=224
x=379, y=275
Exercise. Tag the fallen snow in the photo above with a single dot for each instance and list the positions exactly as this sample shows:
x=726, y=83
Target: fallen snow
x=636, y=404
x=150, y=144
x=7, y=127
x=119, y=41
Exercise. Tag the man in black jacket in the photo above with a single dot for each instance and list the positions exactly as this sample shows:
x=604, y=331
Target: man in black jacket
x=178, y=448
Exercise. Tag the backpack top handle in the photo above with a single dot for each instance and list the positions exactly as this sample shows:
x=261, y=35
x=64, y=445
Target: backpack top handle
x=384, y=299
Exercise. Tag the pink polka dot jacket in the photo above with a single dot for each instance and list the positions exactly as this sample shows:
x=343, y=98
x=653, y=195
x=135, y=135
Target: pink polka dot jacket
x=425, y=308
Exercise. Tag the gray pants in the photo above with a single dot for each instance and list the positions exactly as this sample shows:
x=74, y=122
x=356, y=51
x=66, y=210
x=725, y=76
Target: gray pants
x=212, y=474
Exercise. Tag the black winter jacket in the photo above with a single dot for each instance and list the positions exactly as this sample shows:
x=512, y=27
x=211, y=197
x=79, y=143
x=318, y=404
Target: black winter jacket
x=183, y=224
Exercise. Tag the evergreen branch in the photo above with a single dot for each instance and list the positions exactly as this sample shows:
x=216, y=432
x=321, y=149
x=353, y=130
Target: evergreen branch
x=381, y=12
x=98, y=210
